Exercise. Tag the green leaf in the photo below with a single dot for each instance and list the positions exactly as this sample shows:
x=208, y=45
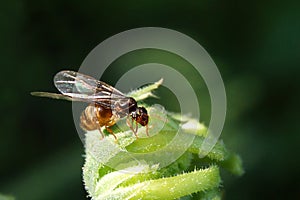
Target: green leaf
x=132, y=168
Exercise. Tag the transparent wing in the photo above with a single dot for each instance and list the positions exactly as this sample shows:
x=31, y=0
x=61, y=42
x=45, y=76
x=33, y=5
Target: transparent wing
x=54, y=96
x=108, y=103
x=80, y=86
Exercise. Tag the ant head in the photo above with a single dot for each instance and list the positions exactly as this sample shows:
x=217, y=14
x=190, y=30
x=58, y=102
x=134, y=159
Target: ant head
x=142, y=116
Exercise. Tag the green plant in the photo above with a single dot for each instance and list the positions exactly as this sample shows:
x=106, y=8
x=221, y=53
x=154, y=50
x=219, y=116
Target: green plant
x=111, y=172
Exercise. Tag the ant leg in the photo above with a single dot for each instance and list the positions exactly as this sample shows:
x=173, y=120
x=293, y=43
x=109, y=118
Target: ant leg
x=99, y=129
x=136, y=127
x=147, y=130
x=111, y=132
x=129, y=124
x=135, y=131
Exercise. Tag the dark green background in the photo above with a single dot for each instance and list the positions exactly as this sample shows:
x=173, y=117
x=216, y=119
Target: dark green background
x=255, y=45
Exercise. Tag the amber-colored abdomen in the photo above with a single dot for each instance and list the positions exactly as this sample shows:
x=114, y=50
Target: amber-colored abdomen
x=96, y=116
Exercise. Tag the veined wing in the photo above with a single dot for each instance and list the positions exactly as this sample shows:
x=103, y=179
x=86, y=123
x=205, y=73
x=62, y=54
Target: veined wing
x=80, y=86
x=54, y=96
x=108, y=103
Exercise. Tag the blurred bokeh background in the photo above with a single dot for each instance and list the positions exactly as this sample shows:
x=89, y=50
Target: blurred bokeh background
x=255, y=44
